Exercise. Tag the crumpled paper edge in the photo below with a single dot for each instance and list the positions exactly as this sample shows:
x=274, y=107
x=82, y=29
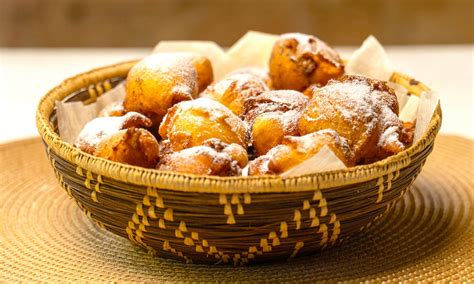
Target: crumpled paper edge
x=323, y=160
x=73, y=116
x=370, y=60
x=426, y=108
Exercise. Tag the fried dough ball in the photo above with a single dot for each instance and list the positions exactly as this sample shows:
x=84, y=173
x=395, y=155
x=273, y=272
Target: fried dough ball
x=235, y=88
x=204, y=72
x=134, y=146
x=273, y=101
x=273, y=115
x=165, y=148
x=295, y=150
x=158, y=82
x=99, y=128
x=364, y=111
x=120, y=139
x=203, y=67
x=190, y=123
x=113, y=109
x=212, y=158
x=299, y=60
x=235, y=151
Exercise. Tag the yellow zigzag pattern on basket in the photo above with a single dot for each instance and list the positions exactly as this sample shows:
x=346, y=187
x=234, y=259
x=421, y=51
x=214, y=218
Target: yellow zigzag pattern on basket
x=391, y=204
x=67, y=188
x=272, y=240
x=315, y=221
x=265, y=246
x=234, y=200
x=97, y=90
x=190, y=238
x=382, y=187
x=87, y=182
x=137, y=226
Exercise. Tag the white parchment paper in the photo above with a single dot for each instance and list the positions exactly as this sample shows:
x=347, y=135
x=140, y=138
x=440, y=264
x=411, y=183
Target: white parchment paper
x=73, y=116
x=324, y=160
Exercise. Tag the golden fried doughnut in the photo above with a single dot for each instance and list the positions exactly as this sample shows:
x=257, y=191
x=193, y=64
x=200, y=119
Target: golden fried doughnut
x=235, y=88
x=99, y=128
x=273, y=101
x=212, y=158
x=362, y=110
x=295, y=150
x=134, y=146
x=158, y=82
x=190, y=123
x=273, y=115
x=203, y=67
x=204, y=72
x=299, y=60
x=165, y=148
x=235, y=151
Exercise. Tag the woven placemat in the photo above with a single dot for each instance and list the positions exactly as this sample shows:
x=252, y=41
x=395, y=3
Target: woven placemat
x=428, y=236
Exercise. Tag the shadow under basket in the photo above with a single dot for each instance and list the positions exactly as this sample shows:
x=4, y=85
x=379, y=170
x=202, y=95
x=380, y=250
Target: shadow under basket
x=235, y=220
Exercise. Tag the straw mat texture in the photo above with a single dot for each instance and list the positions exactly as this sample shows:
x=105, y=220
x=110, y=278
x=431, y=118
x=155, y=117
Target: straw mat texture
x=428, y=236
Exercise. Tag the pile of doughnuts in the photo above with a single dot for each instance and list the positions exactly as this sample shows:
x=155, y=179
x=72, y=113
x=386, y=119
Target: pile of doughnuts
x=175, y=117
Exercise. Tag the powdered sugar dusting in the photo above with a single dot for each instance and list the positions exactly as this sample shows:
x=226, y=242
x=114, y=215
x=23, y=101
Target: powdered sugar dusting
x=235, y=88
x=391, y=128
x=308, y=44
x=295, y=150
x=280, y=102
x=361, y=109
x=209, y=159
x=101, y=127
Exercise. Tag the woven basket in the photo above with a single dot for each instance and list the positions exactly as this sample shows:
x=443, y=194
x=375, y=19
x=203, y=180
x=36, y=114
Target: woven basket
x=237, y=220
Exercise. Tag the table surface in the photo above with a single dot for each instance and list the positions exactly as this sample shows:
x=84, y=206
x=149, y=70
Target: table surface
x=27, y=74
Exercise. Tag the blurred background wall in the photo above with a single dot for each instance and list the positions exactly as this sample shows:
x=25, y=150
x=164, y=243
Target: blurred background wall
x=126, y=23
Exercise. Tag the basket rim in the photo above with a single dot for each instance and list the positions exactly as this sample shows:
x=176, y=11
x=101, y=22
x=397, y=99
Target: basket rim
x=202, y=183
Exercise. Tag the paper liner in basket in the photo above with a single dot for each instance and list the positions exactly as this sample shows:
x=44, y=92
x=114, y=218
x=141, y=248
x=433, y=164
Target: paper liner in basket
x=253, y=50
x=324, y=160
x=73, y=116
x=372, y=61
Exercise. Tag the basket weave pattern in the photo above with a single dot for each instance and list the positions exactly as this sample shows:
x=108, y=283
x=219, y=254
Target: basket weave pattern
x=235, y=220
